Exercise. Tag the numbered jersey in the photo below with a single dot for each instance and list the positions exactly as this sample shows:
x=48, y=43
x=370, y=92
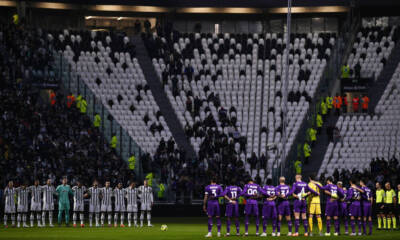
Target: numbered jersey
x=283, y=192
x=354, y=195
x=367, y=195
x=213, y=191
x=251, y=191
x=233, y=192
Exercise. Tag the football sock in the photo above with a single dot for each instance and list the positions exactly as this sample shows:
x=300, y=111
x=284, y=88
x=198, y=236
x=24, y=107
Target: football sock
x=82, y=218
x=394, y=222
x=319, y=220
x=359, y=225
x=279, y=226
x=289, y=223
x=66, y=213
x=384, y=222
x=328, y=226
x=337, y=225
x=264, y=224
x=310, y=223
x=90, y=219
x=135, y=218
x=97, y=218
x=305, y=225
x=149, y=218
x=115, y=218
x=246, y=223
x=129, y=218
x=379, y=222
x=296, y=225
x=228, y=225
x=74, y=218
x=353, y=226
x=19, y=218
x=32, y=218
x=370, y=226
x=60, y=212
x=364, y=225
x=389, y=222
x=257, y=224
x=141, y=218
x=273, y=225
x=219, y=224
x=210, y=223
x=109, y=218
x=102, y=218
x=122, y=218
x=44, y=218
x=237, y=223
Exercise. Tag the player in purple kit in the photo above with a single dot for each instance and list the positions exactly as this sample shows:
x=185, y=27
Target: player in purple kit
x=231, y=193
x=343, y=210
x=354, y=195
x=332, y=208
x=269, y=207
x=211, y=205
x=251, y=191
x=283, y=205
x=367, y=201
x=300, y=191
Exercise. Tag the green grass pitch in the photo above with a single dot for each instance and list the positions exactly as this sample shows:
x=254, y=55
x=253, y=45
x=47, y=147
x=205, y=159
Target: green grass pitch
x=178, y=228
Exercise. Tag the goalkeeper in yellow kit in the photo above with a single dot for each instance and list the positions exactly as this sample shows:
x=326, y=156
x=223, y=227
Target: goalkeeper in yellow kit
x=314, y=206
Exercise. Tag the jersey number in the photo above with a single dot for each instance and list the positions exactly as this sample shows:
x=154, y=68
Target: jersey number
x=252, y=192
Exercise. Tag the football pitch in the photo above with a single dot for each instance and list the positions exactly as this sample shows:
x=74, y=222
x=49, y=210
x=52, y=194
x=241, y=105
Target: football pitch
x=178, y=228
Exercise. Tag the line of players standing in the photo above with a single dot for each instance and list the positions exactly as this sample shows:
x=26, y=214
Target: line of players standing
x=354, y=203
x=100, y=201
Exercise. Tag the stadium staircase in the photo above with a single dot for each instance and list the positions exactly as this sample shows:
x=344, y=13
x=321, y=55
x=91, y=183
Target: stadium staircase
x=161, y=98
x=378, y=87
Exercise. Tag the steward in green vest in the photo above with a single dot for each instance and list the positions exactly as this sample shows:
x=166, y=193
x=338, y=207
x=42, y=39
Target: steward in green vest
x=161, y=191
x=97, y=120
x=329, y=103
x=297, y=166
x=78, y=101
x=324, y=108
x=345, y=71
x=83, y=106
x=319, y=123
x=149, y=178
x=132, y=162
x=307, y=152
x=312, y=133
x=113, y=142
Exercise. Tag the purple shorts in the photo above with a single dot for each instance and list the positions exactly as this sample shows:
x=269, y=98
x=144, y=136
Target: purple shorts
x=251, y=209
x=284, y=208
x=269, y=210
x=343, y=211
x=300, y=206
x=213, y=209
x=232, y=210
x=332, y=209
x=355, y=209
x=367, y=209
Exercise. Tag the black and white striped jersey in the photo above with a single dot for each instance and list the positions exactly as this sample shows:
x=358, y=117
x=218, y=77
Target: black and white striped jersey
x=131, y=196
x=36, y=194
x=94, y=193
x=119, y=196
x=9, y=194
x=78, y=194
x=106, y=194
x=146, y=194
x=23, y=196
x=48, y=194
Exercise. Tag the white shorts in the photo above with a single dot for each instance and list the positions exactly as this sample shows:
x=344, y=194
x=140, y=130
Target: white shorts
x=9, y=209
x=36, y=207
x=22, y=208
x=106, y=208
x=79, y=207
x=132, y=208
x=119, y=208
x=48, y=206
x=145, y=207
x=94, y=208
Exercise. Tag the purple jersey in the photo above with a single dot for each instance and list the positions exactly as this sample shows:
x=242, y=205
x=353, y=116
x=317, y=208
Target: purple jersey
x=333, y=190
x=251, y=191
x=366, y=195
x=213, y=192
x=301, y=187
x=268, y=191
x=232, y=192
x=353, y=195
x=283, y=192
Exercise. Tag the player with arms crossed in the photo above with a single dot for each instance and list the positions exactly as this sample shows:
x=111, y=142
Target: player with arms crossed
x=390, y=200
x=231, y=194
x=106, y=193
x=252, y=192
x=48, y=202
x=283, y=205
x=79, y=206
x=211, y=205
x=146, y=202
x=94, y=206
x=314, y=206
x=379, y=197
x=367, y=201
x=63, y=191
x=23, y=202
x=36, y=202
x=132, y=198
x=300, y=191
x=269, y=207
x=332, y=208
x=9, y=207
x=354, y=195
x=119, y=205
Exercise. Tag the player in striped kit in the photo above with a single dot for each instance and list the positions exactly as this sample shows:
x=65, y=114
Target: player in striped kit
x=132, y=197
x=146, y=202
x=9, y=208
x=23, y=201
x=79, y=192
x=94, y=206
x=119, y=205
x=106, y=207
x=36, y=202
x=48, y=202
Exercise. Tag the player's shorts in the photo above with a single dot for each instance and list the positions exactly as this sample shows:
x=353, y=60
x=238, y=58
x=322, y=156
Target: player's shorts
x=380, y=208
x=145, y=206
x=367, y=209
x=94, y=208
x=22, y=208
x=232, y=210
x=9, y=209
x=132, y=208
x=343, y=210
x=63, y=206
x=251, y=209
x=300, y=206
x=389, y=208
x=213, y=209
x=269, y=211
x=106, y=208
x=315, y=208
x=284, y=208
x=48, y=207
x=119, y=208
x=36, y=207
x=332, y=209
x=79, y=207
x=355, y=210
